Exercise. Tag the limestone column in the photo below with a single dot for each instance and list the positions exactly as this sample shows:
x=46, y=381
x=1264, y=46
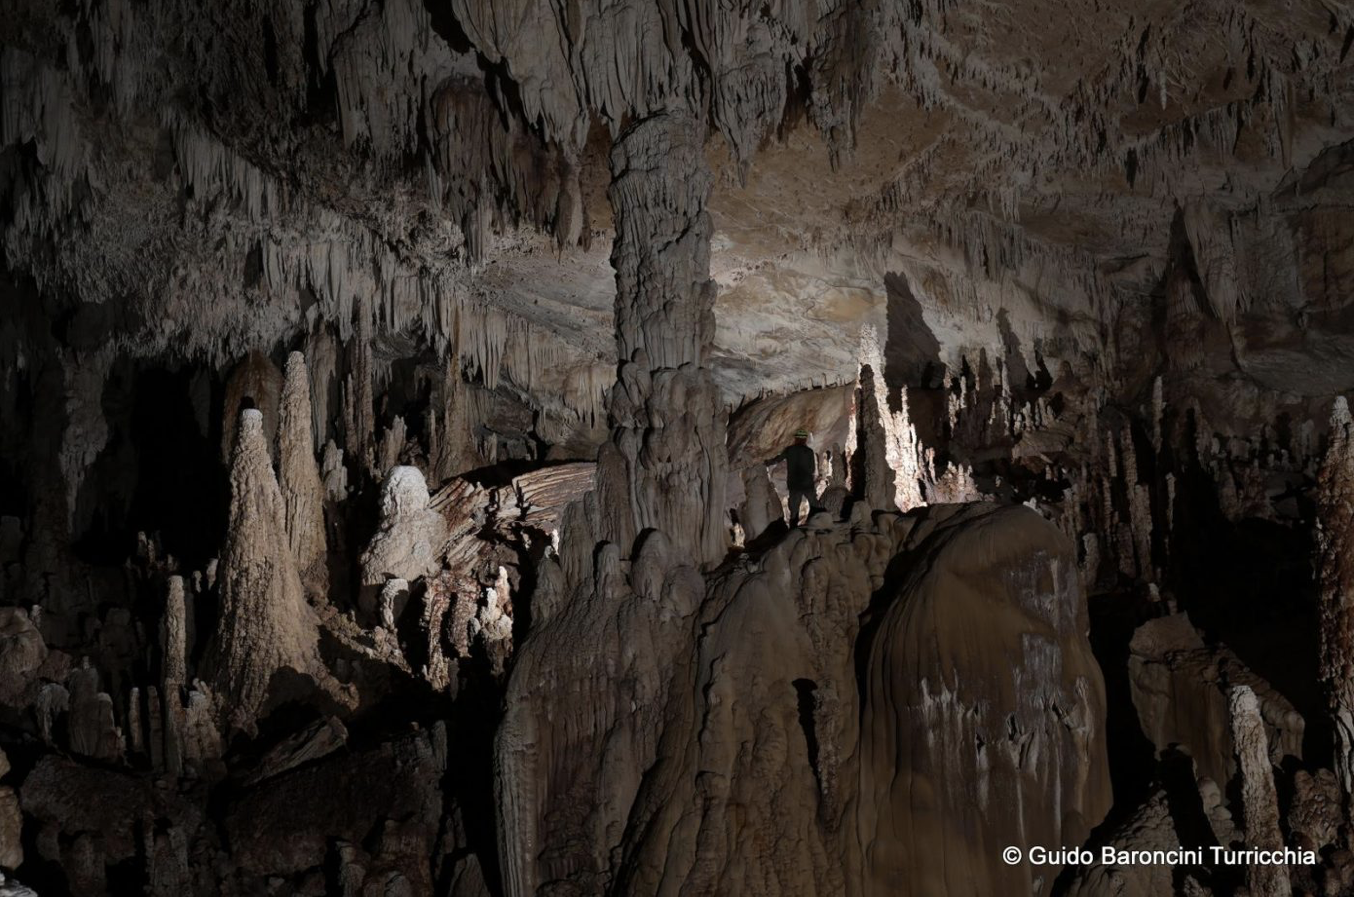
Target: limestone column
x=666, y=463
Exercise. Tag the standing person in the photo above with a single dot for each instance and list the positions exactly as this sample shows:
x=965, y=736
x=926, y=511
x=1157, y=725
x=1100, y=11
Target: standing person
x=801, y=468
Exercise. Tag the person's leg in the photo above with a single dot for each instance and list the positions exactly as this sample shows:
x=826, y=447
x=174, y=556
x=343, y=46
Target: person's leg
x=795, y=497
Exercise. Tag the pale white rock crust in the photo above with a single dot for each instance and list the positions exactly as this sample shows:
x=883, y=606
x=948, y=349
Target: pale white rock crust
x=411, y=539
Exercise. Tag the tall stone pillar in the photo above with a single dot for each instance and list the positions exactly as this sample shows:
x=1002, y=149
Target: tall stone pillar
x=666, y=463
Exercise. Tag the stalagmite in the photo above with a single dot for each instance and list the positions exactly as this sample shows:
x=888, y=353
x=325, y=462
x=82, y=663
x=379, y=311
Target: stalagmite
x=174, y=638
x=411, y=538
x=135, y=741
x=92, y=729
x=901, y=456
x=11, y=823
x=392, y=445
x=298, y=477
x=202, y=736
x=873, y=481
x=174, y=675
x=576, y=269
x=1335, y=516
x=360, y=413
x=159, y=734
x=451, y=449
x=335, y=474
x=761, y=505
x=265, y=625
x=1258, y=801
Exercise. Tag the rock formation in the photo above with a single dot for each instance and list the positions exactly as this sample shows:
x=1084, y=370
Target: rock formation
x=1038, y=750
x=265, y=628
x=174, y=638
x=412, y=536
x=1336, y=518
x=11, y=823
x=1258, y=801
x=667, y=424
x=298, y=477
x=385, y=391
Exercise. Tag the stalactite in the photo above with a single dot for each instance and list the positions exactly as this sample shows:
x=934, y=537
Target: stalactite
x=86, y=431
x=298, y=476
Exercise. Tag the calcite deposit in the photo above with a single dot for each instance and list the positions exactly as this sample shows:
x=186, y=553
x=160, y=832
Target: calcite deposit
x=394, y=405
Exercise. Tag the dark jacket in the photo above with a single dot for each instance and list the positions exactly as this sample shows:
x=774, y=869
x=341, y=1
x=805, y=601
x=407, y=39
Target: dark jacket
x=800, y=466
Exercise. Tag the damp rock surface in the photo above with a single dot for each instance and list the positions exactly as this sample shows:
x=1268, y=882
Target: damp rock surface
x=393, y=406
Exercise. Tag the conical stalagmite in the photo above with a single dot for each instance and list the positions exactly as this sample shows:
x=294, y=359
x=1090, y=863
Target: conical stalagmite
x=1335, y=514
x=265, y=625
x=872, y=479
x=299, y=478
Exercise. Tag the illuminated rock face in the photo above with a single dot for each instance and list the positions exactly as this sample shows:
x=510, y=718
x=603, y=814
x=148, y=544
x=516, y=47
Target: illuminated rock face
x=983, y=714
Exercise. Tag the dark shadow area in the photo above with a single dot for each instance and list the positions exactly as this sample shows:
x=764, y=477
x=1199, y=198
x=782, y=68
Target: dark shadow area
x=158, y=472
x=910, y=347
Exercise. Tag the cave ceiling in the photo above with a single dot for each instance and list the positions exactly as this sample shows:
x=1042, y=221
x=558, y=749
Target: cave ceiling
x=228, y=175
